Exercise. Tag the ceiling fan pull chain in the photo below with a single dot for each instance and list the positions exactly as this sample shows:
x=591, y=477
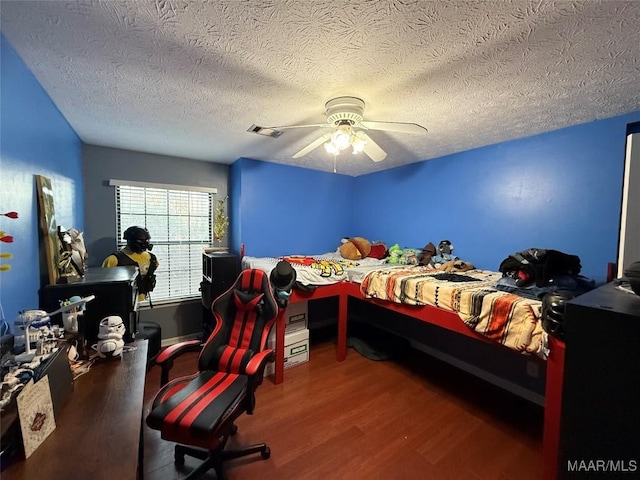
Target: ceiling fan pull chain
x=335, y=157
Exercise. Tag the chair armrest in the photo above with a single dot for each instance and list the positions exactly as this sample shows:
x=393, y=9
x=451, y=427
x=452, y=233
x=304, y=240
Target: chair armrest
x=255, y=373
x=166, y=357
x=259, y=361
x=173, y=351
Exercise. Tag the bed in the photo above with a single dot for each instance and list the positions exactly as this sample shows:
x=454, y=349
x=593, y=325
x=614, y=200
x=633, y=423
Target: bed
x=316, y=270
x=472, y=307
x=505, y=318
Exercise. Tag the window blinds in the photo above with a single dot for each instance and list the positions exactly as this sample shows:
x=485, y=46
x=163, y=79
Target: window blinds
x=181, y=226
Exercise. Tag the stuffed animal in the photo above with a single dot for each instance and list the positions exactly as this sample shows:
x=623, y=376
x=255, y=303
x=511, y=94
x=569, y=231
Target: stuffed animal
x=354, y=248
x=395, y=252
x=403, y=256
x=445, y=247
x=428, y=252
x=456, y=266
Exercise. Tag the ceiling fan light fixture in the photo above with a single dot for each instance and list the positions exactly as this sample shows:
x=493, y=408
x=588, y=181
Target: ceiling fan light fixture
x=331, y=148
x=341, y=138
x=358, y=145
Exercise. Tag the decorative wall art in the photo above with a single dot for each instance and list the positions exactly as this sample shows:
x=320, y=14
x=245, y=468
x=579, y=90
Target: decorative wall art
x=48, y=227
x=5, y=238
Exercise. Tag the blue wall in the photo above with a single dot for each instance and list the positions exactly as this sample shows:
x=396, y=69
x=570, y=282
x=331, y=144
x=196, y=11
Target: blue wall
x=559, y=190
x=36, y=140
x=280, y=210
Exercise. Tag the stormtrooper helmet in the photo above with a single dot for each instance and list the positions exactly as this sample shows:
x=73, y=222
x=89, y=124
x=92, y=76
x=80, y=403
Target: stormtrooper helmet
x=111, y=327
x=109, y=348
x=111, y=331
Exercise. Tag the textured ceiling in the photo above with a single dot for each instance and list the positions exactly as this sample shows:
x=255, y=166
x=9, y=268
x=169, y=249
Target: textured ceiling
x=188, y=78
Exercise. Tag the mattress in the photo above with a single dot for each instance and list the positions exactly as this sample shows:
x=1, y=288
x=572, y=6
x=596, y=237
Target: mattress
x=503, y=317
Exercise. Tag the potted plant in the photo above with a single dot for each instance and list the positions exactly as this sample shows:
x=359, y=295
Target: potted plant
x=220, y=222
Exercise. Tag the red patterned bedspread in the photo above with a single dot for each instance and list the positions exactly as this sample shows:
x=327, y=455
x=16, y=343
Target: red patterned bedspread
x=508, y=319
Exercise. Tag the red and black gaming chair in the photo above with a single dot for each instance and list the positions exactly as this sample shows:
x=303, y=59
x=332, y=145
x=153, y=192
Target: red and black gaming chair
x=199, y=410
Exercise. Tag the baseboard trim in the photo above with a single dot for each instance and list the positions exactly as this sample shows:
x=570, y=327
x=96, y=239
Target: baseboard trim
x=183, y=338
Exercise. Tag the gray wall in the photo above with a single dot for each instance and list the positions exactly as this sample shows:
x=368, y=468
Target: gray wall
x=102, y=164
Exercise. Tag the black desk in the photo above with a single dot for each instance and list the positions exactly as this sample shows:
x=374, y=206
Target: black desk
x=116, y=293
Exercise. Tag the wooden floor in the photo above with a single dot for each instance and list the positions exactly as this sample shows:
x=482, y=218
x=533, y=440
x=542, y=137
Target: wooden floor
x=410, y=418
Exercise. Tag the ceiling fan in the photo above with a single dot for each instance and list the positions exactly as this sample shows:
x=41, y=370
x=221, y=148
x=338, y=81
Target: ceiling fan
x=345, y=118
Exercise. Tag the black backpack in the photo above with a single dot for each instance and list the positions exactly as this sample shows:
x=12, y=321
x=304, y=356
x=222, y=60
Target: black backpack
x=539, y=265
x=146, y=283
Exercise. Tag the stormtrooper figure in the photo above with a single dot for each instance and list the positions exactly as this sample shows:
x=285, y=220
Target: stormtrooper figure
x=110, y=343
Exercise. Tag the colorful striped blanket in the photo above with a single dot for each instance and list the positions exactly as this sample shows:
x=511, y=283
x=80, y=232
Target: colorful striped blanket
x=508, y=319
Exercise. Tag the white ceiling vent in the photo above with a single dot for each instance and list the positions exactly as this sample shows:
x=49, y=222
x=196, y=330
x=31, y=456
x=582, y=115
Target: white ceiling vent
x=267, y=132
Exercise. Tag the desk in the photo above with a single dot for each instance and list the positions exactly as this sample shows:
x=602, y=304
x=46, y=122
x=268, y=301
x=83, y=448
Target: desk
x=98, y=431
x=332, y=290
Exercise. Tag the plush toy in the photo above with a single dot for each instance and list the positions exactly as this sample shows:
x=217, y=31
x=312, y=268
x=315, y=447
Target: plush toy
x=428, y=252
x=410, y=256
x=403, y=256
x=395, y=252
x=354, y=248
x=456, y=266
x=445, y=247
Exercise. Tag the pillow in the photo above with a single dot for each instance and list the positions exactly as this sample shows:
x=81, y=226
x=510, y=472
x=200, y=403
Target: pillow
x=378, y=250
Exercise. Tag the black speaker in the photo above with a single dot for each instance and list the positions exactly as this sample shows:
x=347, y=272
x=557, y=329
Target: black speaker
x=219, y=272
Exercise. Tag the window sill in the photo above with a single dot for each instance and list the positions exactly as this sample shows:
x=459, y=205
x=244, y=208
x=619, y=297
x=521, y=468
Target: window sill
x=146, y=305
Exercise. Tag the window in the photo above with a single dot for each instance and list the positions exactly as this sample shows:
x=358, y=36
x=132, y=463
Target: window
x=180, y=221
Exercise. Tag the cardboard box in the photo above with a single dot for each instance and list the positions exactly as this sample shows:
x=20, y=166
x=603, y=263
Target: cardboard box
x=296, y=316
x=296, y=349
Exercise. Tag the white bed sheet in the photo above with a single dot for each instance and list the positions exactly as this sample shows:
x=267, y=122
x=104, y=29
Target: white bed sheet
x=323, y=269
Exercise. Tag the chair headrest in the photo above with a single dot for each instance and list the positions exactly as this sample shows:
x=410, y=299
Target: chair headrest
x=247, y=300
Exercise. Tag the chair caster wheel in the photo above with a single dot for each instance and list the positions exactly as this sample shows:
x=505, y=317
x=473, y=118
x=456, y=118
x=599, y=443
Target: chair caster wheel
x=266, y=453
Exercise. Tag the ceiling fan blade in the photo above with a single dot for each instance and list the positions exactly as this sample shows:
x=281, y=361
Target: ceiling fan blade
x=315, y=125
x=316, y=143
x=395, y=127
x=371, y=148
